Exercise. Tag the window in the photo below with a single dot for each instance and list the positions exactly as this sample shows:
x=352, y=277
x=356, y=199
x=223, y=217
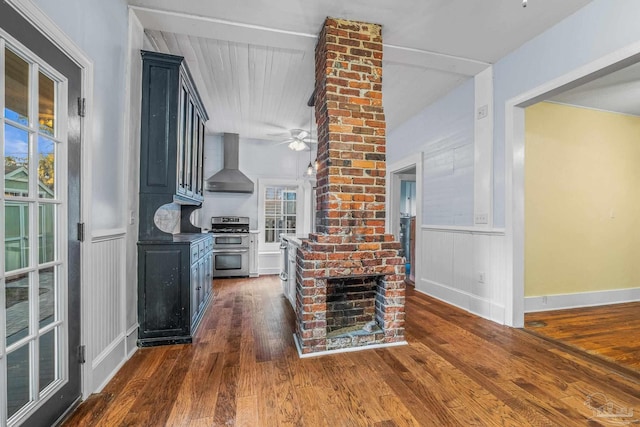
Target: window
x=279, y=211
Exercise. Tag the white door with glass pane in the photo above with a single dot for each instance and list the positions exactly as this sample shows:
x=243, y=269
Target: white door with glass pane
x=33, y=351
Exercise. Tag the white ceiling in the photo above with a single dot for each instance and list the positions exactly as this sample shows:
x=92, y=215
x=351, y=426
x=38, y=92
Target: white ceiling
x=617, y=92
x=252, y=60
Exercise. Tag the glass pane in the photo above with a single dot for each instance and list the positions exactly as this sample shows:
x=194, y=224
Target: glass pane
x=291, y=223
x=46, y=167
x=47, y=359
x=228, y=262
x=16, y=72
x=16, y=161
x=195, y=153
x=17, y=379
x=269, y=236
x=269, y=222
x=270, y=193
x=45, y=104
x=182, y=136
x=16, y=229
x=228, y=240
x=46, y=233
x=47, y=296
x=187, y=147
x=290, y=207
x=17, y=306
x=273, y=208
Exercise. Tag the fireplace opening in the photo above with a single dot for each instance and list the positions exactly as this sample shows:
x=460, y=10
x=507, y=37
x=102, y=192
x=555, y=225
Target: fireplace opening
x=351, y=304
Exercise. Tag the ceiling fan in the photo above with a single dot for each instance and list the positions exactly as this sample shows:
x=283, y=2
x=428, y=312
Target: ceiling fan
x=299, y=140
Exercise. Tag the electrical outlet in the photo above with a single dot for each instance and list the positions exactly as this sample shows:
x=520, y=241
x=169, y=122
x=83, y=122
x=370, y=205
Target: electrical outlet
x=481, y=277
x=544, y=300
x=483, y=111
x=132, y=217
x=481, y=218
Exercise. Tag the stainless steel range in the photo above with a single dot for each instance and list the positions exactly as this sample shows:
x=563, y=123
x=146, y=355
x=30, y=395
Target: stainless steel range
x=230, y=246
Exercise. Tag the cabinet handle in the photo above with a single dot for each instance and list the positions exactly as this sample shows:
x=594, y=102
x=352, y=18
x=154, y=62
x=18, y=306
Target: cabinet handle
x=283, y=276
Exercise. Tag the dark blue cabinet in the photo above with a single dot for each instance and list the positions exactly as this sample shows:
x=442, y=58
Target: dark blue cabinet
x=175, y=287
x=174, y=258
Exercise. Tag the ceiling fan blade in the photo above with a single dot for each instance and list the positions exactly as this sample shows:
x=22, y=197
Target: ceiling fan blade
x=302, y=135
x=286, y=141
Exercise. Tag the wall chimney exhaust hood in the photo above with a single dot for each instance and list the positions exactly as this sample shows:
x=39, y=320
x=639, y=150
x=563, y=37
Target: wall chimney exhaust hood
x=229, y=179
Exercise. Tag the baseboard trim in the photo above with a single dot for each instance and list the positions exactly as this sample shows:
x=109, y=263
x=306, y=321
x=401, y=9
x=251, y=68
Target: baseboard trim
x=132, y=340
x=581, y=299
x=468, y=302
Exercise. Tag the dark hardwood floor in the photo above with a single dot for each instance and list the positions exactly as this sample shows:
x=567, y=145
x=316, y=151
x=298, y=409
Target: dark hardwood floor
x=458, y=370
x=609, y=331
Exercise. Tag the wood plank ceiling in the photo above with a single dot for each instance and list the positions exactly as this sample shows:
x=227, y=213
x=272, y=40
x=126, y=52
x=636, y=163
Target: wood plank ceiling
x=253, y=61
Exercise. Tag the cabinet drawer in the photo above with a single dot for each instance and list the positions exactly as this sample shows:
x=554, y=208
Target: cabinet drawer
x=195, y=253
x=201, y=248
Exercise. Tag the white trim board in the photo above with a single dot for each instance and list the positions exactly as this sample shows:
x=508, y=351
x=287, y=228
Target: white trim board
x=581, y=299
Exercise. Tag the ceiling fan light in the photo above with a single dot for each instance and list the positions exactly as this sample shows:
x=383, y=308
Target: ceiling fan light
x=297, y=145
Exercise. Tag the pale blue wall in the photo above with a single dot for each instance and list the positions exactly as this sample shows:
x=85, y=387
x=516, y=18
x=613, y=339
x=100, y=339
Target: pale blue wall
x=444, y=133
x=100, y=29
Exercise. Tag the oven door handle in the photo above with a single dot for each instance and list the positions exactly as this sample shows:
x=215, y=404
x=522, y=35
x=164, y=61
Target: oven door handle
x=233, y=251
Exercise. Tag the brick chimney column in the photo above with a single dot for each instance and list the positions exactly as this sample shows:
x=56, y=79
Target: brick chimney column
x=351, y=129
x=350, y=242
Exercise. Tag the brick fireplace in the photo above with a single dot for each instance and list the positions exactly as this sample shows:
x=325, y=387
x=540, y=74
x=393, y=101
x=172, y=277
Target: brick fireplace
x=350, y=279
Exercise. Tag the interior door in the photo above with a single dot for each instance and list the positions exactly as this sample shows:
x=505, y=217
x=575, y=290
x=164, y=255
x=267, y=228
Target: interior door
x=40, y=202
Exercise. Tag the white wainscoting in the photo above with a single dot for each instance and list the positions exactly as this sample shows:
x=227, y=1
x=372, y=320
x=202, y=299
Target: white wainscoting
x=453, y=261
x=269, y=263
x=106, y=334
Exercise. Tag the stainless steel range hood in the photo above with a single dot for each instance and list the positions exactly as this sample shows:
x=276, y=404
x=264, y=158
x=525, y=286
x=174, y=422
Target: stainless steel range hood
x=229, y=179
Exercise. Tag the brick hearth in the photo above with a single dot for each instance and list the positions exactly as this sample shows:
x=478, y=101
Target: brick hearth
x=350, y=250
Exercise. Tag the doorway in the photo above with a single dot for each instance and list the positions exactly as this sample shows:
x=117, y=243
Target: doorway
x=408, y=222
x=581, y=203
x=40, y=274
x=515, y=166
x=404, y=211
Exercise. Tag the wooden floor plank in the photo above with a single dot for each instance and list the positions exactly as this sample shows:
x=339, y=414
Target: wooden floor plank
x=457, y=370
x=607, y=331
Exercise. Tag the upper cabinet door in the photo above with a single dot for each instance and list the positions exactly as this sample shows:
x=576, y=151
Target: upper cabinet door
x=172, y=130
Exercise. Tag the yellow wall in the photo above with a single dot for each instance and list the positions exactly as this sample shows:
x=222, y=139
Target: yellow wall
x=582, y=200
